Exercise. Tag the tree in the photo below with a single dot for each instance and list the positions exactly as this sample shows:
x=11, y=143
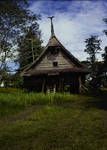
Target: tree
x=9, y=12
x=15, y=18
x=105, y=20
x=93, y=48
x=105, y=56
x=104, y=68
x=29, y=46
x=105, y=50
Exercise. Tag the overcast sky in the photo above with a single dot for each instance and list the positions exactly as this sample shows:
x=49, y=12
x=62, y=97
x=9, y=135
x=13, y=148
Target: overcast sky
x=74, y=22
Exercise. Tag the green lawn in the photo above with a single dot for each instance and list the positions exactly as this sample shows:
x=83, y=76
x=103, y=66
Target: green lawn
x=53, y=122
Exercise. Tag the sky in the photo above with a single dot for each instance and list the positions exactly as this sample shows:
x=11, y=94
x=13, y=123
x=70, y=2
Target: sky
x=75, y=21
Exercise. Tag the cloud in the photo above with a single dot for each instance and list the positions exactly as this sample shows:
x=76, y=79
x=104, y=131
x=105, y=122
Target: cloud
x=74, y=22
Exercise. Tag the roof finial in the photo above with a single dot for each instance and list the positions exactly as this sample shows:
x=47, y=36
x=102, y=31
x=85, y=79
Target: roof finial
x=52, y=27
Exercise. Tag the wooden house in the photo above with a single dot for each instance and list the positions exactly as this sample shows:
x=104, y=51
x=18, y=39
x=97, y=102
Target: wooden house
x=56, y=70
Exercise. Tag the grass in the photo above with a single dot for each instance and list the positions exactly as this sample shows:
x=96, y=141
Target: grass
x=52, y=122
x=10, y=102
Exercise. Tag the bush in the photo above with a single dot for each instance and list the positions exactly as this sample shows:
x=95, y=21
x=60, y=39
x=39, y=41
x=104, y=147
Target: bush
x=11, y=90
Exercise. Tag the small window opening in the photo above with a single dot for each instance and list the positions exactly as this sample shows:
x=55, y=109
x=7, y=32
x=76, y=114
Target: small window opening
x=55, y=63
x=54, y=51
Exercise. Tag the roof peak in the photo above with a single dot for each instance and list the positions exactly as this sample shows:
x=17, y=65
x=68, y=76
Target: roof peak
x=53, y=41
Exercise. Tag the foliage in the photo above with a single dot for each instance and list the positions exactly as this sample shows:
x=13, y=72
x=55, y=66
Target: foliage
x=29, y=46
x=16, y=81
x=104, y=55
x=15, y=19
x=105, y=50
x=105, y=20
x=93, y=48
x=11, y=17
x=11, y=90
x=104, y=67
x=5, y=78
x=11, y=80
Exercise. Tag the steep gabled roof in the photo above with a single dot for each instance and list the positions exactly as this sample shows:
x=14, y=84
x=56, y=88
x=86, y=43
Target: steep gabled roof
x=54, y=42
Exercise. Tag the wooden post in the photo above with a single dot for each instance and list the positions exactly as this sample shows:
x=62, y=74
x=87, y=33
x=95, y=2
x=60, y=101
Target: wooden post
x=79, y=79
x=43, y=86
x=54, y=88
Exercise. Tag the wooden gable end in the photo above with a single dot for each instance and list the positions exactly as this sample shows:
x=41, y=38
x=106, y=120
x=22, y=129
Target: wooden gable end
x=48, y=62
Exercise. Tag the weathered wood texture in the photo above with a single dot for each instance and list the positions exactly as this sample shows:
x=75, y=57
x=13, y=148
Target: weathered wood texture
x=47, y=64
x=56, y=70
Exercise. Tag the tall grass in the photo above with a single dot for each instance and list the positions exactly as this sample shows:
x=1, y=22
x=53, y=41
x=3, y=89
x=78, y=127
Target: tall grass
x=26, y=99
x=12, y=100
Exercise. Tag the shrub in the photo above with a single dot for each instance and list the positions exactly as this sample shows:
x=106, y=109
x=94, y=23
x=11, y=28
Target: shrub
x=11, y=90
